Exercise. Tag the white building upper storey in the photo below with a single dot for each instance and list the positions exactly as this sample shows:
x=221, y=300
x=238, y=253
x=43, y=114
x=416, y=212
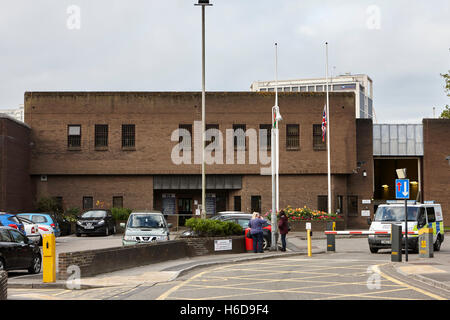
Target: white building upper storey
x=360, y=84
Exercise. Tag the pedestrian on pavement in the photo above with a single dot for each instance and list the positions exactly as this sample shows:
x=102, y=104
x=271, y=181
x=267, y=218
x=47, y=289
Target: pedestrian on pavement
x=256, y=230
x=283, y=228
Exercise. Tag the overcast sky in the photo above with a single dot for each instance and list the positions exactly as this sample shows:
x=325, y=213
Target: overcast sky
x=149, y=45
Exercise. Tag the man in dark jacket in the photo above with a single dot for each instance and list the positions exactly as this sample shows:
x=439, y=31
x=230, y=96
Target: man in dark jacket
x=283, y=227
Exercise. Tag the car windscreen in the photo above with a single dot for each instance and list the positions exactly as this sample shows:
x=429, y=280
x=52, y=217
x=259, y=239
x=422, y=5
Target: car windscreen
x=14, y=219
x=26, y=221
x=146, y=221
x=396, y=214
x=94, y=214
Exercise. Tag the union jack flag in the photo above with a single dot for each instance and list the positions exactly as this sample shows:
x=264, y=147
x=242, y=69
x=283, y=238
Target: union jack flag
x=324, y=123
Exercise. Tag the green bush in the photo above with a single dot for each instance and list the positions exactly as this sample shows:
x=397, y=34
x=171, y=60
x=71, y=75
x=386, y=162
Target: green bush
x=71, y=214
x=121, y=214
x=212, y=228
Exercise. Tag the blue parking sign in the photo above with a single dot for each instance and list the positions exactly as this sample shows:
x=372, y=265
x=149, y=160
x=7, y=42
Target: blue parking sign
x=402, y=188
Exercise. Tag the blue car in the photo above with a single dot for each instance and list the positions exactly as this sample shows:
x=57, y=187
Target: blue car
x=43, y=218
x=10, y=220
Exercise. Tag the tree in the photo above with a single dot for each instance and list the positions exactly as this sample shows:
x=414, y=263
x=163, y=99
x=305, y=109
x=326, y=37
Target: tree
x=446, y=113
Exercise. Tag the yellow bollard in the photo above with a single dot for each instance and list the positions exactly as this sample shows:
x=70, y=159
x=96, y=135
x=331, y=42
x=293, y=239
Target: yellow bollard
x=309, y=243
x=49, y=258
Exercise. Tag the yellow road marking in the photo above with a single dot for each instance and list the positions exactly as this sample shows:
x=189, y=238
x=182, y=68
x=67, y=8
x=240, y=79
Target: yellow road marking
x=431, y=295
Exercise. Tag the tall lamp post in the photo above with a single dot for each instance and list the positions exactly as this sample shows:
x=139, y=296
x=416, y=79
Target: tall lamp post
x=203, y=4
x=276, y=118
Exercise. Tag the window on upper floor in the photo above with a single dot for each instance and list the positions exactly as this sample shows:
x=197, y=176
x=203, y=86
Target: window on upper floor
x=74, y=137
x=185, y=136
x=318, y=143
x=292, y=137
x=101, y=135
x=128, y=136
x=265, y=136
x=239, y=136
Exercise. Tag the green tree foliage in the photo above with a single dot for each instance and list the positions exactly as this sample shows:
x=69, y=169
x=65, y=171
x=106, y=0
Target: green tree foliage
x=446, y=113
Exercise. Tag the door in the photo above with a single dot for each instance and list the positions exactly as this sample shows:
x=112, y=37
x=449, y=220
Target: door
x=431, y=219
x=24, y=253
x=7, y=249
x=184, y=210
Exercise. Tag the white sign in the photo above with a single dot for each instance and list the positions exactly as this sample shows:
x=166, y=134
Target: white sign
x=197, y=212
x=308, y=226
x=366, y=202
x=222, y=245
x=365, y=213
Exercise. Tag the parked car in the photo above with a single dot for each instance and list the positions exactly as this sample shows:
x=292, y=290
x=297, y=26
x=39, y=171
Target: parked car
x=11, y=220
x=242, y=219
x=18, y=252
x=145, y=227
x=31, y=230
x=45, y=219
x=97, y=221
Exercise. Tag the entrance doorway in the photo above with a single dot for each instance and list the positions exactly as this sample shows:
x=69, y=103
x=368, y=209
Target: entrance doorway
x=184, y=210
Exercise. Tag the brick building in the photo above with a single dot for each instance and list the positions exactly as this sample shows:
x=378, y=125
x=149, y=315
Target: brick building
x=15, y=184
x=119, y=149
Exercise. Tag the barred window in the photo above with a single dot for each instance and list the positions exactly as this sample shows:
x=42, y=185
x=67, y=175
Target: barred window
x=118, y=202
x=318, y=144
x=128, y=136
x=239, y=136
x=74, y=136
x=265, y=136
x=88, y=203
x=292, y=137
x=211, y=135
x=185, y=136
x=101, y=135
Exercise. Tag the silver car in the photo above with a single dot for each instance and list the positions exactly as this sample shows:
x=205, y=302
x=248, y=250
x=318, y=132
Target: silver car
x=145, y=227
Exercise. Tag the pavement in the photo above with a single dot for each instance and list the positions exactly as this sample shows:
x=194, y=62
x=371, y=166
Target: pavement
x=432, y=272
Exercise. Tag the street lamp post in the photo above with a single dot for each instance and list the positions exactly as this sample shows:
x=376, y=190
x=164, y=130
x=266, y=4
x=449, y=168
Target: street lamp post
x=203, y=4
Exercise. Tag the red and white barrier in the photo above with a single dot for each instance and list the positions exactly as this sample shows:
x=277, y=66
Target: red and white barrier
x=366, y=232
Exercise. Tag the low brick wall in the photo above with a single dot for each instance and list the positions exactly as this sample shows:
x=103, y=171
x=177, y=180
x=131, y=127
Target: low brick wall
x=318, y=226
x=94, y=262
x=3, y=285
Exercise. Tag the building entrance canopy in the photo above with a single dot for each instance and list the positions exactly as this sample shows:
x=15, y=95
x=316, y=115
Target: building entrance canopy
x=194, y=182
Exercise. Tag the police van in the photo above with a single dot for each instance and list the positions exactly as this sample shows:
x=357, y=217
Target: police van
x=420, y=215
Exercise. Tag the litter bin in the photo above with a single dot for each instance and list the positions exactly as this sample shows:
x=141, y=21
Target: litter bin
x=248, y=241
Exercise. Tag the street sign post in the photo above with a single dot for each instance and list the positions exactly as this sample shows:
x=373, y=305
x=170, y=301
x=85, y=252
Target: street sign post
x=402, y=192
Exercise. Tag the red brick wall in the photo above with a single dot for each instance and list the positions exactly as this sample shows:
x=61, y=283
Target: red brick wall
x=15, y=184
x=436, y=170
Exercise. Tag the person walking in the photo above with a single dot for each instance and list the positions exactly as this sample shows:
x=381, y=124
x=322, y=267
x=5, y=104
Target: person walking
x=283, y=228
x=256, y=230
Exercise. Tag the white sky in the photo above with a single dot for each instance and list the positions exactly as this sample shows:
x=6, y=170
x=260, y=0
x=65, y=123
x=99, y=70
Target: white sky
x=149, y=45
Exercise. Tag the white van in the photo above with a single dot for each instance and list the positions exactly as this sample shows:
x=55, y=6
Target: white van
x=420, y=215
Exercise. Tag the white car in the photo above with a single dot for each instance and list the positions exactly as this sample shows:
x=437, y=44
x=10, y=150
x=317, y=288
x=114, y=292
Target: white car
x=31, y=230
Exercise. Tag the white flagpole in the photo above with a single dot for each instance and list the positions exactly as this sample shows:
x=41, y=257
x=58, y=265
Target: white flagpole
x=328, y=135
x=277, y=131
x=274, y=158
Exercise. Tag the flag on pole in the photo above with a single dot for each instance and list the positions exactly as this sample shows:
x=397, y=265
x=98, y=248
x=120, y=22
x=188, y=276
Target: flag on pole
x=324, y=123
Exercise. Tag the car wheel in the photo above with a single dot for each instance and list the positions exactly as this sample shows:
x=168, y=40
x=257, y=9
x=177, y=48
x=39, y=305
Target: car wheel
x=35, y=265
x=40, y=240
x=373, y=250
x=114, y=230
x=106, y=231
x=78, y=234
x=266, y=243
x=2, y=265
x=437, y=244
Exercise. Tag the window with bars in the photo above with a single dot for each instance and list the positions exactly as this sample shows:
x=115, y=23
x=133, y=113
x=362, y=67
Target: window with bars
x=185, y=136
x=118, y=202
x=239, y=136
x=318, y=144
x=101, y=135
x=292, y=137
x=88, y=203
x=265, y=136
x=74, y=136
x=128, y=136
x=212, y=135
